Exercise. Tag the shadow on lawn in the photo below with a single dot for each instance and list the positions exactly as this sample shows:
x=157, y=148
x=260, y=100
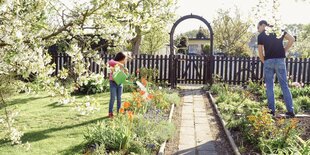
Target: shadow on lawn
x=56, y=105
x=39, y=135
x=77, y=149
x=25, y=100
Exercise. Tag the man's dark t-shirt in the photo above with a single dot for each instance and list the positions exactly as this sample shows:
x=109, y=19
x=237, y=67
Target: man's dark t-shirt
x=273, y=46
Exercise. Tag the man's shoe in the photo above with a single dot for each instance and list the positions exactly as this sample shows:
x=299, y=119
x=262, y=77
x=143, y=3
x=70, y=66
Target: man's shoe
x=272, y=113
x=290, y=114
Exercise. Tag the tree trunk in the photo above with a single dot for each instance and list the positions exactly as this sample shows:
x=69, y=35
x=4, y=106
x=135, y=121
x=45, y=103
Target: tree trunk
x=136, y=42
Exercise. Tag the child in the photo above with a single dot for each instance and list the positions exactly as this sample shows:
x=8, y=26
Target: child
x=116, y=90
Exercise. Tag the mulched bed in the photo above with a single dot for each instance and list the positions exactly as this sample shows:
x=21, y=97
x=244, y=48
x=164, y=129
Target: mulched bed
x=172, y=144
x=304, y=125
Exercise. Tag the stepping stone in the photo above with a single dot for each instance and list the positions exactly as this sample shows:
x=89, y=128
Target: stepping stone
x=189, y=151
x=207, y=153
x=188, y=104
x=187, y=123
x=187, y=140
x=187, y=111
x=200, y=114
x=203, y=128
x=187, y=116
x=199, y=109
x=201, y=120
x=202, y=138
x=202, y=146
x=187, y=131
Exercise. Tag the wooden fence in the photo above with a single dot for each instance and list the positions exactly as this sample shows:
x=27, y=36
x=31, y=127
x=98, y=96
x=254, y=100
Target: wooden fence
x=236, y=70
x=199, y=69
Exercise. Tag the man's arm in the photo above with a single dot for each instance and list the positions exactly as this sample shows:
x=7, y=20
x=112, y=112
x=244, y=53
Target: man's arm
x=290, y=39
x=260, y=53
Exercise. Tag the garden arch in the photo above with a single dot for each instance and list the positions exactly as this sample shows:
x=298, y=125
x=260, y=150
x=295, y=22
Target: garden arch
x=191, y=16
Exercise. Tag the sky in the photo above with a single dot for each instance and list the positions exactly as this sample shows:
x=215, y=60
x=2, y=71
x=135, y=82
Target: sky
x=290, y=11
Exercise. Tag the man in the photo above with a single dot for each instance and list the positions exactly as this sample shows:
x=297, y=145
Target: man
x=272, y=54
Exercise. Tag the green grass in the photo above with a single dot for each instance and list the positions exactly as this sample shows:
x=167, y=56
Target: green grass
x=51, y=128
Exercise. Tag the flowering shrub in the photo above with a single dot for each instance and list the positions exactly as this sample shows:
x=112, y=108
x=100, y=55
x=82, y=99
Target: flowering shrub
x=95, y=83
x=138, y=126
x=243, y=112
x=89, y=105
x=271, y=135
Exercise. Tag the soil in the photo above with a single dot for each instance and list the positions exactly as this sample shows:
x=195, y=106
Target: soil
x=172, y=144
x=304, y=125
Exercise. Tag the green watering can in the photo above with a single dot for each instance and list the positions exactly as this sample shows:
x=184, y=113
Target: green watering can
x=120, y=77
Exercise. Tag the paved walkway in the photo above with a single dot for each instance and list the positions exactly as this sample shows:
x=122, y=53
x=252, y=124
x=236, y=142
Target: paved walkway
x=195, y=134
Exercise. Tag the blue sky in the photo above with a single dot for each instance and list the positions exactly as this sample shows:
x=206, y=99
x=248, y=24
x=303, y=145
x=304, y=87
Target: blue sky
x=290, y=11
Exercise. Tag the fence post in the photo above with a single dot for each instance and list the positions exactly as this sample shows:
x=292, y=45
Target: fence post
x=172, y=71
x=208, y=69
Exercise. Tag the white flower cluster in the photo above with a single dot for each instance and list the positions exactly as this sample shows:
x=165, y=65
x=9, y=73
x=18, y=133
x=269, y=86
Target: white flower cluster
x=12, y=133
x=15, y=136
x=89, y=105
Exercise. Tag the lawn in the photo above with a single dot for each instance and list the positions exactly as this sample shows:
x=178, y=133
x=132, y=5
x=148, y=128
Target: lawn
x=51, y=128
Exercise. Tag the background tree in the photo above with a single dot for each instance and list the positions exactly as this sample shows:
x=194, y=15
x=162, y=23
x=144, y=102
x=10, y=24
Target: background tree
x=183, y=45
x=202, y=33
x=231, y=33
x=302, y=44
x=154, y=40
x=152, y=14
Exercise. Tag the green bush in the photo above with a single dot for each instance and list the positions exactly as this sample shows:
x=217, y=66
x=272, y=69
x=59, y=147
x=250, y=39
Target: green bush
x=140, y=136
x=95, y=84
x=111, y=135
x=151, y=131
x=173, y=98
x=296, y=92
x=164, y=99
x=217, y=88
x=303, y=102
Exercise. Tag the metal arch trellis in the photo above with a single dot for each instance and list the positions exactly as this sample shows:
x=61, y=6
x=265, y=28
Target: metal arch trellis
x=191, y=16
x=208, y=66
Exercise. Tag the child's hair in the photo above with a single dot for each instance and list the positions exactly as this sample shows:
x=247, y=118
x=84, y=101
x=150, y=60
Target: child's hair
x=119, y=56
x=264, y=22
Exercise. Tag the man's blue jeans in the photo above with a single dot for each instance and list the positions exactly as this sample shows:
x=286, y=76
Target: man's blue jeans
x=115, y=92
x=277, y=66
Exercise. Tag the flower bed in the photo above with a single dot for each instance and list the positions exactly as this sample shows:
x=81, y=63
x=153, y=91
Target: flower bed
x=253, y=128
x=139, y=128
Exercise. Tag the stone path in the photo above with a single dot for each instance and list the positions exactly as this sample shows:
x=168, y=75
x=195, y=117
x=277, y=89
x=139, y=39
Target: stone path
x=195, y=133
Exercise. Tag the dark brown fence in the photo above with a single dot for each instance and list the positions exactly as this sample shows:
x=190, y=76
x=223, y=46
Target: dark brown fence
x=236, y=70
x=199, y=69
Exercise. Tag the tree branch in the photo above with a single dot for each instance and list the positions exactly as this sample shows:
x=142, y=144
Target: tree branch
x=60, y=30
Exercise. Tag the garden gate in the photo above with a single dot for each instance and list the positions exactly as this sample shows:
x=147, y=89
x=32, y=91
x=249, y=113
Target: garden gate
x=190, y=69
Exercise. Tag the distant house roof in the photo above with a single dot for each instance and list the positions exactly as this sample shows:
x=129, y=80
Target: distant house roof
x=198, y=38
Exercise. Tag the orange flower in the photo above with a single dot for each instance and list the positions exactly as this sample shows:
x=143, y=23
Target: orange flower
x=150, y=96
x=139, y=105
x=130, y=115
x=142, y=92
x=126, y=105
x=121, y=110
x=144, y=82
